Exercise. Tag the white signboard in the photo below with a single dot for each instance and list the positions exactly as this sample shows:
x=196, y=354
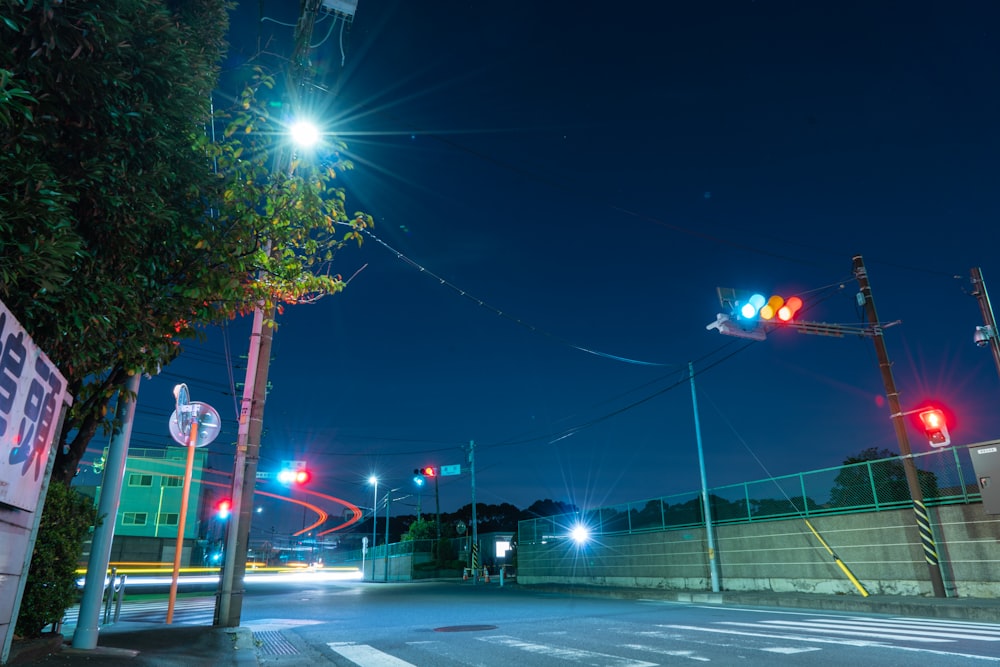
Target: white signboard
x=32, y=392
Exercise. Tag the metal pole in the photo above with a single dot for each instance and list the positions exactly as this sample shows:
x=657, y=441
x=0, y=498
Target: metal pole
x=713, y=563
x=475, y=522
x=979, y=291
x=182, y=520
x=374, y=527
x=437, y=505
x=388, y=502
x=896, y=414
x=85, y=635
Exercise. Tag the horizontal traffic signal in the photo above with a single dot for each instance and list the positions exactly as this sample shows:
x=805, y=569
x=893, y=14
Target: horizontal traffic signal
x=224, y=508
x=774, y=308
x=300, y=476
x=426, y=471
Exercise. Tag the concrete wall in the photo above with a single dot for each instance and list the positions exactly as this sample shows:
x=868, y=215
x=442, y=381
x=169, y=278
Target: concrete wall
x=881, y=549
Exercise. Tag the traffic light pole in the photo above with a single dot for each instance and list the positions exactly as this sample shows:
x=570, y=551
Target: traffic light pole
x=896, y=414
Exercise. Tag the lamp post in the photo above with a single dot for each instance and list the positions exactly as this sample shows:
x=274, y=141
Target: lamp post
x=374, y=481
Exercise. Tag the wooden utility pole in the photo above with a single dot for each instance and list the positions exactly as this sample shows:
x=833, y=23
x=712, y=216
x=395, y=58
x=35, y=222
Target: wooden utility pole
x=896, y=414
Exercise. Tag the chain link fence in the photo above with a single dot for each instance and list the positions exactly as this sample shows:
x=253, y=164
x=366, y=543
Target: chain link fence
x=945, y=476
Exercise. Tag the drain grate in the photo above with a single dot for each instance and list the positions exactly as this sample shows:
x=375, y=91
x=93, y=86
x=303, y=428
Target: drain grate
x=465, y=628
x=272, y=642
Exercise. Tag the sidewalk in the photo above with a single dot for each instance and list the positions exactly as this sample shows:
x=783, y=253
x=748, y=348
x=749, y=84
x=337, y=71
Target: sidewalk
x=144, y=645
x=155, y=645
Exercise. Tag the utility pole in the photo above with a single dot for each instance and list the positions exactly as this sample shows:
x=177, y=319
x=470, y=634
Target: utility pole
x=713, y=563
x=987, y=335
x=896, y=414
x=229, y=603
x=475, y=522
x=437, y=504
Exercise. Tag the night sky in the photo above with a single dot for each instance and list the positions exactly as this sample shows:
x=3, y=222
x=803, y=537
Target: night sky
x=558, y=190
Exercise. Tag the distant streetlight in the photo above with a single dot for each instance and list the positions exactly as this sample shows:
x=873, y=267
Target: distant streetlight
x=374, y=481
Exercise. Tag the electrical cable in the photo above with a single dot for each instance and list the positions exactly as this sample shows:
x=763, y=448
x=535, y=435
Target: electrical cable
x=511, y=318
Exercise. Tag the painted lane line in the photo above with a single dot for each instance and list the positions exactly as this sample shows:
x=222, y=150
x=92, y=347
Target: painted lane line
x=790, y=625
x=571, y=654
x=366, y=656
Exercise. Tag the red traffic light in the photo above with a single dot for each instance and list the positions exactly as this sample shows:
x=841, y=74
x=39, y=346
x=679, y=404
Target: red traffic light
x=299, y=476
x=428, y=471
x=935, y=427
x=223, y=508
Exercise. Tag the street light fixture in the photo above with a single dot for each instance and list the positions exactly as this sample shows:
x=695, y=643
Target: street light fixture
x=304, y=133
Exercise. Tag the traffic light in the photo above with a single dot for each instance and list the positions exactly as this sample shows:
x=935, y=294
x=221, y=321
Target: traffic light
x=775, y=308
x=223, y=508
x=294, y=476
x=426, y=471
x=294, y=472
x=935, y=427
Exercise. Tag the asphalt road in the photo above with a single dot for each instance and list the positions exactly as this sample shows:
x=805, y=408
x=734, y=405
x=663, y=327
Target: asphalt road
x=443, y=624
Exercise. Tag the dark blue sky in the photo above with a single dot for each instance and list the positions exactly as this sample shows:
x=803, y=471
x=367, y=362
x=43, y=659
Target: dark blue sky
x=593, y=171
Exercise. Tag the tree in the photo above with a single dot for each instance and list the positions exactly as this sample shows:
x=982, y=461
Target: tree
x=421, y=529
x=123, y=228
x=51, y=586
x=877, y=477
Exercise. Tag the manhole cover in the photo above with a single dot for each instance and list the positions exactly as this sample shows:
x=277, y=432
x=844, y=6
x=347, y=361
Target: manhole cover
x=465, y=628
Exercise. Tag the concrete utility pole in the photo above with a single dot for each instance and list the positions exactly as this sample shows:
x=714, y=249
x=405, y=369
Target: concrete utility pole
x=230, y=598
x=896, y=414
x=713, y=562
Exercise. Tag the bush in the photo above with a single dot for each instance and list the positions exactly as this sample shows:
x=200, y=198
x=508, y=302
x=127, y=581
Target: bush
x=51, y=586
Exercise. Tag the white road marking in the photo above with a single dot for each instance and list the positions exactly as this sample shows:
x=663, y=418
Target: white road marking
x=366, y=656
x=790, y=650
x=572, y=654
x=899, y=630
x=690, y=655
x=805, y=627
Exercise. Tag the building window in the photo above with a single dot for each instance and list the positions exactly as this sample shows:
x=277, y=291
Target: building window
x=173, y=480
x=136, y=479
x=168, y=519
x=134, y=519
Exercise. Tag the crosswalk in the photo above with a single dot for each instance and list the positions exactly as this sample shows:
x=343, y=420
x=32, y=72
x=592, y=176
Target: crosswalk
x=646, y=646
x=187, y=611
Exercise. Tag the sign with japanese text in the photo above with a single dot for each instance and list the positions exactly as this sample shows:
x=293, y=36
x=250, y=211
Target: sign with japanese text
x=32, y=392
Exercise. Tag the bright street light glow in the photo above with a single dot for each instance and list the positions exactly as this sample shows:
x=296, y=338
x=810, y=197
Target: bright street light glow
x=580, y=534
x=304, y=133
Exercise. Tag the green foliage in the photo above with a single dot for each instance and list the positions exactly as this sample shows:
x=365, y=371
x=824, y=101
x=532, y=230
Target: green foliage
x=420, y=530
x=123, y=228
x=51, y=586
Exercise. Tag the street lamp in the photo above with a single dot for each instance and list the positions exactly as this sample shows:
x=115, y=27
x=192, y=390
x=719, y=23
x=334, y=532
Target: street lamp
x=304, y=133
x=374, y=481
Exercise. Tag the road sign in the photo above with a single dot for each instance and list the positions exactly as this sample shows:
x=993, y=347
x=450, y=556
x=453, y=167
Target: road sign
x=451, y=470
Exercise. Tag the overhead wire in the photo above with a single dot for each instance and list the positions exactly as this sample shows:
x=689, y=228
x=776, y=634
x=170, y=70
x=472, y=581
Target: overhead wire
x=461, y=292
